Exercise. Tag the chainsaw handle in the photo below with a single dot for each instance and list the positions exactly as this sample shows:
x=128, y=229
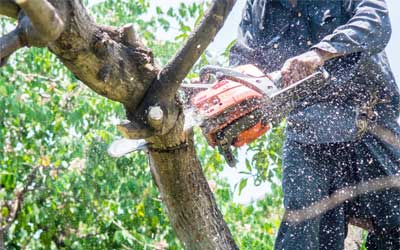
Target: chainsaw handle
x=219, y=72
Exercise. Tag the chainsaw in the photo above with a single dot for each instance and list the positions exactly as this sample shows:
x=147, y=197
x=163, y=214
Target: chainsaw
x=235, y=106
x=243, y=102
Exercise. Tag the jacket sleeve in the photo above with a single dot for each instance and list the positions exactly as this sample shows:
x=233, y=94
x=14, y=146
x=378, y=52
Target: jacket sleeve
x=239, y=53
x=368, y=29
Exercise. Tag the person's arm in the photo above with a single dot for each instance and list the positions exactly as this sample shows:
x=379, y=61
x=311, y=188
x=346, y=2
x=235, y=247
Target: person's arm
x=368, y=30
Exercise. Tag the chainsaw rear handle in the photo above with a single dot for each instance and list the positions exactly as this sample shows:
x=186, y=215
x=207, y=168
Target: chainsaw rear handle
x=221, y=72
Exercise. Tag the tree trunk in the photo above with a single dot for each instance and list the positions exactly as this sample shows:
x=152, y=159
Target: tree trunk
x=184, y=190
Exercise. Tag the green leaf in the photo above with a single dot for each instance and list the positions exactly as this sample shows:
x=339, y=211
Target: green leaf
x=248, y=165
x=159, y=10
x=242, y=185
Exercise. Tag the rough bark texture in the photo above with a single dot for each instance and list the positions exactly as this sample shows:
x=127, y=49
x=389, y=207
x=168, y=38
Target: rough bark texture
x=190, y=203
x=114, y=64
x=184, y=190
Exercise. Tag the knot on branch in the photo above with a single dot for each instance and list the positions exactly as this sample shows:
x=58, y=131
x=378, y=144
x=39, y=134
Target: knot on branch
x=101, y=44
x=105, y=73
x=139, y=50
x=128, y=36
x=149, y=121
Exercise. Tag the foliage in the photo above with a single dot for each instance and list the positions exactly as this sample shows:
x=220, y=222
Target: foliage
x=83, y=199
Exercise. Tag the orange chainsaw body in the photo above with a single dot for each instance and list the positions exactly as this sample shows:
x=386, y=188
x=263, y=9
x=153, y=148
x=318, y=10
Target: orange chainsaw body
x=242, y=103
x=224, y=99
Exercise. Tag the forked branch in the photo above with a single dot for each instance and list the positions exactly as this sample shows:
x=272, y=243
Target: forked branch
x=163, y=90
x=9, y=43
x=16, y=204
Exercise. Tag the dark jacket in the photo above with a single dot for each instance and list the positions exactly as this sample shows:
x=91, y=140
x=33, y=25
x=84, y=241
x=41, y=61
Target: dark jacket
x=273, y=31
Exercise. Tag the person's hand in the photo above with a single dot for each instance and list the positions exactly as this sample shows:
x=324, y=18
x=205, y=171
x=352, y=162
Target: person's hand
x=299, y=67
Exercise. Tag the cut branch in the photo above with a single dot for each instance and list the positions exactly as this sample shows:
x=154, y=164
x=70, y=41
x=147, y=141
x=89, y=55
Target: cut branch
x=9, y=8
x=38, y=26
x=177, y=69
x=44, y=18
x=155, y=117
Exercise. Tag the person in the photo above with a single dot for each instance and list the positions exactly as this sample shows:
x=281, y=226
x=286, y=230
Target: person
x=328, y=145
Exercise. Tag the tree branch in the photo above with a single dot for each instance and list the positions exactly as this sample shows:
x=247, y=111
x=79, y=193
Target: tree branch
x=177, y=69
x=44, y=18
x=340, y=196
x=163, y=90
x=8, y=45
x=9, y=8
x=19, y=199
x=38, y=26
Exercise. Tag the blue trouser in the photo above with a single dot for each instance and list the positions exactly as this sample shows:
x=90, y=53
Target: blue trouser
x=314, y=172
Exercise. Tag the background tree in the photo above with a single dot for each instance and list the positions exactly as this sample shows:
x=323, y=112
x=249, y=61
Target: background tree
x=55, y=132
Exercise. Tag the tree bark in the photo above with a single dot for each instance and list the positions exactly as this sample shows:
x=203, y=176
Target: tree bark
x=114, y=64
x=184, y=190
x=104, y=58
